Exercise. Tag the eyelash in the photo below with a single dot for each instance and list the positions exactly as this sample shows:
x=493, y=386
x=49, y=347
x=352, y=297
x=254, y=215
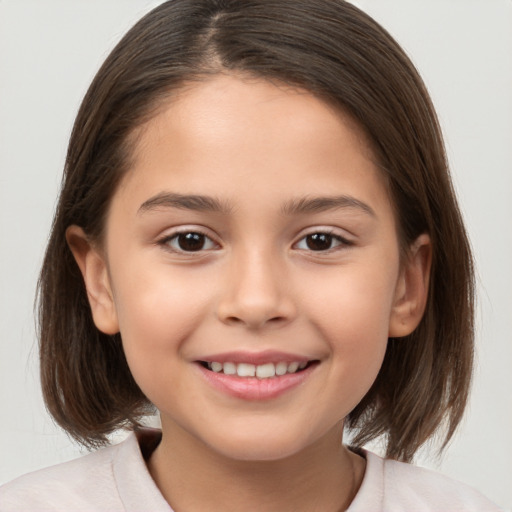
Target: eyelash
x=342, y=242
x=168, y=240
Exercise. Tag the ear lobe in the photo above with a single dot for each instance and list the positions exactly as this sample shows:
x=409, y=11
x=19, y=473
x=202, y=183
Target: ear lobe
x=412, y=289
x=97, y=282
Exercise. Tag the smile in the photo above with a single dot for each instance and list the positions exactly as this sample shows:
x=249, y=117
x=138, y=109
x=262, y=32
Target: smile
x=265, y=376
x=261, y=371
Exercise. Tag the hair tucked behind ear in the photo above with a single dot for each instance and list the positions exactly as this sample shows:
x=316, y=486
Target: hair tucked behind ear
x=335, y=51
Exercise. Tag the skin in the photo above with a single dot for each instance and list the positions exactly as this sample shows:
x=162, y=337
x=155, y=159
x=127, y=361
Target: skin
x=258, y=149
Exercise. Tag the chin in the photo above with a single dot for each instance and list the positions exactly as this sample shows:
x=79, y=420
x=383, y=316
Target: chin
x=259, y=447
x=259, y=453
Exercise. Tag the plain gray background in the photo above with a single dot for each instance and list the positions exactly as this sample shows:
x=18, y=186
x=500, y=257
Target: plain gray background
x=49, y=52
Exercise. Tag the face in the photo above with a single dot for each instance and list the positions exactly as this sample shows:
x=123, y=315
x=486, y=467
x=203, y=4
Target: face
x=251, y=264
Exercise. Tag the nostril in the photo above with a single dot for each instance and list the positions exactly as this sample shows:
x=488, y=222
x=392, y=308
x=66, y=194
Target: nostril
x=254, y=321
x=233, y=320
x=254, y=310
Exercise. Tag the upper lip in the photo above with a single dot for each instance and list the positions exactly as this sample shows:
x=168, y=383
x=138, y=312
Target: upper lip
x=256, y=358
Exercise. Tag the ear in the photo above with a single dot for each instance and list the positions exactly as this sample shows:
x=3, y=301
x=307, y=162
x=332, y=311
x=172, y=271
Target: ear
x=97, y=282
x=412, y=289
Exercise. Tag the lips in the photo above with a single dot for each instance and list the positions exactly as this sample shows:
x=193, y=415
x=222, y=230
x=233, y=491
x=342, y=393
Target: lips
x=261, y=376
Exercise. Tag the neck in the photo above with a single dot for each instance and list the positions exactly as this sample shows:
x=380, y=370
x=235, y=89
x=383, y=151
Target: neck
x=192, y=477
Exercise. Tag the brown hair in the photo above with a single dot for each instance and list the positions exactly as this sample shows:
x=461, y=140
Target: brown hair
x=335, y=51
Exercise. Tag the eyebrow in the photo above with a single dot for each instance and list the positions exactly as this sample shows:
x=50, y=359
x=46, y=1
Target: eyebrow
x=322, y=204
x=302, y=205
x=184, y=202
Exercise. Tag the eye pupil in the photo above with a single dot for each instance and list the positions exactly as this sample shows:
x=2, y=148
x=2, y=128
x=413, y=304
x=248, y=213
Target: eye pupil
x=191, y=241
x=319, y=241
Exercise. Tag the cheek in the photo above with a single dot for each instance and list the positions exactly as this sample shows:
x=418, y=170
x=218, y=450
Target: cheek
x=351, y=310
x=157, y=311
x=355, y=301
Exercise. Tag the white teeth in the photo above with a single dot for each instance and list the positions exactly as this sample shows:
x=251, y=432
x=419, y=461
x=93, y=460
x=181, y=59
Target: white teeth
x=262, y=371
x=281, y=368
x=293, y=367
x=229, y=368
x=216, y=367
x=246, y=370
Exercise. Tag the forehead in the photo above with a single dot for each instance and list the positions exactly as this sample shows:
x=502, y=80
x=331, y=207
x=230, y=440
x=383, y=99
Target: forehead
x=232, y=133
x=247, y=101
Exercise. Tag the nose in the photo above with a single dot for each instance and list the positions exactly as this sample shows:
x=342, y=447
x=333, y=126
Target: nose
x=256, y=292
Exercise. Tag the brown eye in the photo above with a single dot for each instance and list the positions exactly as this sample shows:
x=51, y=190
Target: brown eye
x=320, y=242
x=189, y=242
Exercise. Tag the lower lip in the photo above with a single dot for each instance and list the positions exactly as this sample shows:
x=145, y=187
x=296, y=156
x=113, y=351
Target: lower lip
x=252, y=388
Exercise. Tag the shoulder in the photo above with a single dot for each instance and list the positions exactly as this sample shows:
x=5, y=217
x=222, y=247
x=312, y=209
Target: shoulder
x=410, y=484
x=69, y=484
x=115, y=478
x=393, y=486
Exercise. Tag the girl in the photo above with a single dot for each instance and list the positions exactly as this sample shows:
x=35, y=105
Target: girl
x=256, y=235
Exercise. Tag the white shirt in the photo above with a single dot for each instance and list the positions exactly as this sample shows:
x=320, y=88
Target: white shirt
x=116, y=479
